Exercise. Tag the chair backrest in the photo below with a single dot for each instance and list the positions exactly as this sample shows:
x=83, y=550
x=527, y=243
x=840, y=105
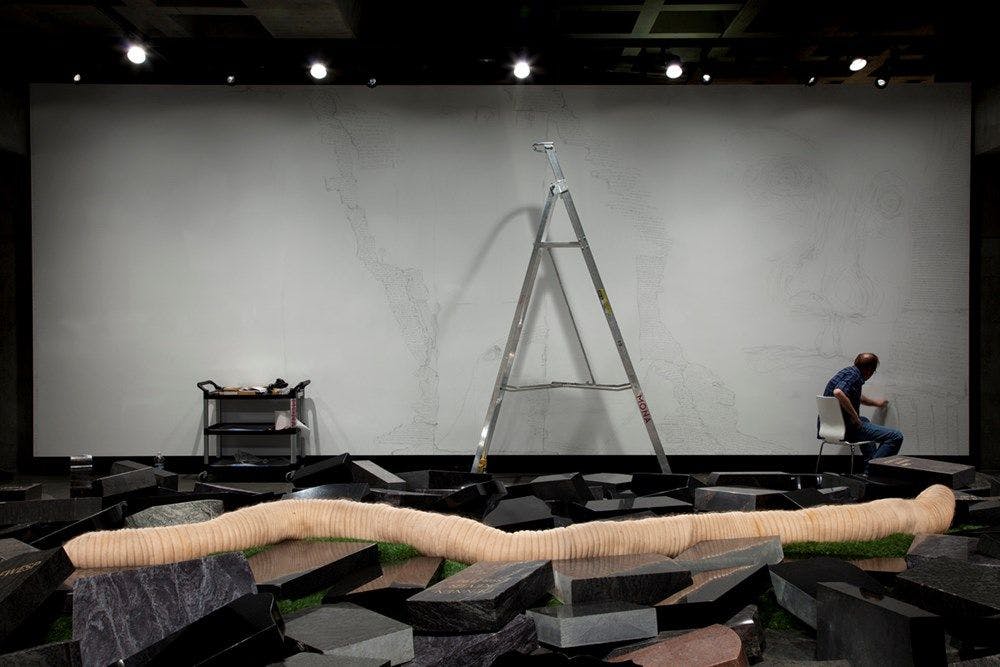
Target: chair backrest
x=831, y=419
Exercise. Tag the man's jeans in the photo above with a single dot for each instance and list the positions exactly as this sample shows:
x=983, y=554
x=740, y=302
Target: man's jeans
x=885, y=441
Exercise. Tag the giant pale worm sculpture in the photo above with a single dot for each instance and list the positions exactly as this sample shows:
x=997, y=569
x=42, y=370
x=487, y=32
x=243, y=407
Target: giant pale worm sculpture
x=470, y=541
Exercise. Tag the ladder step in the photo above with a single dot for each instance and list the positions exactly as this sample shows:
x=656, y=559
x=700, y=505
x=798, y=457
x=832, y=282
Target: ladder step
x=569, y=385
x=560, y=244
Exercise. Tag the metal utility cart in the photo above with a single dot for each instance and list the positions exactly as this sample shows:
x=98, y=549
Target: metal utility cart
x=225, y=402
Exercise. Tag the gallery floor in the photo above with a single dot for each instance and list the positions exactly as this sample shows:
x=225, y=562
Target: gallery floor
x=899, y=599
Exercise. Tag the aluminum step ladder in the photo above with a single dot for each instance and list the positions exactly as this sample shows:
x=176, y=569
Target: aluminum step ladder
x=559, y=190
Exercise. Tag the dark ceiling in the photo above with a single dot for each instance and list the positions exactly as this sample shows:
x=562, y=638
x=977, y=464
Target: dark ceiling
x=262, y=41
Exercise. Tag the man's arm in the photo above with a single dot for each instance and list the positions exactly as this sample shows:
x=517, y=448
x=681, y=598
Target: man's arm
x=845, y=403
x=874, y=402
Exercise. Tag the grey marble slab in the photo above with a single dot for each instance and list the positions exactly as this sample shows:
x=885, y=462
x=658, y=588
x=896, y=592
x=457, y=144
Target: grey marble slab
x=376, y=476
x=195, y=511
x=479, y=650
x=349, y=630
x=733, y=552
x=118, y=614
x=870, y=629
x=26, y=580
x=483, y=597
x=324, y=660
x=570, y=626
x=639, y=578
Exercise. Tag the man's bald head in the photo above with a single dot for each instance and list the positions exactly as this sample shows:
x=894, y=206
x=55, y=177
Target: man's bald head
x=867, y=363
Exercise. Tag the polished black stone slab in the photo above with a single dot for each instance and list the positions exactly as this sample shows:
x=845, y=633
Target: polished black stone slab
x=117, y=615
x=176, y=514
x=712, y=597
x=330, y=491
x=985, y=512
x=749, y=627
x=376, y=476
x=460, y=650
x=598, y=510
x=245, y=631
x=525, y=513
x=206, y=487
x=641, y=579
x=951, y=587
x=20, y=492
x=569, y=486
x=732, y=552
x=989, y=545
x=26, y=580
x=472, y=500
x=871, y=629
x=611, y=480
x=48, y=510
x=332, y=470
x=230, y=500
x=297, y=568
x=481, y=598
x=870, y=488
x=418, y=500
x=648, y=483
x=323, y=660
x=124, y=483
x=388, y=593
x=164, y=478
x=925, y=547
x=349, y=630
x=57, y=654
x=922, y=472
x=10, y=547
x=768, y=479
x=571, y=626
x=417, y=480
x=739, y=499
x=804, y=498
x=796, y=582
x=111, y=518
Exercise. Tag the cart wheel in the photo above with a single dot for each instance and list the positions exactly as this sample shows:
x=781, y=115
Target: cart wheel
x=288, y=476
x=203, y=476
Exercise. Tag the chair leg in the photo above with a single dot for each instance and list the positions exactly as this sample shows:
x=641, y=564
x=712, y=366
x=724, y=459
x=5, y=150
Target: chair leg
x=852, y=459
x=819, y=458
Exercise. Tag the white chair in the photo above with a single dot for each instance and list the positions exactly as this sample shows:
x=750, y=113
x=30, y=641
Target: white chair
x=832, y=430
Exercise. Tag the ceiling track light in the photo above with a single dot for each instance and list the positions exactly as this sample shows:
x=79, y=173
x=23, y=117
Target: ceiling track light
x=136, y=54
x=881, y=82
x=372, y=82
x=77, y=78
x=858, y=64
x=231, y=80
x=522, y=70
x=811, y=80
x=706, y=78
x=674, y=69
x=318, y=71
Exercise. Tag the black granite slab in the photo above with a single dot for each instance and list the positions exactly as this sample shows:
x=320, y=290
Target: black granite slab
x=10, y=547
x=796, y=582
x=332, y=470
x=749, y=627
x=870, y=488
x=599, y=510
x=922, y=472
x=349, y=630
x=175, y=514
x=57, y=654
x=419, y=500
x=596, y=623
x=641, y=579
x=323, y=660
x=297, y=568
x=989, y=545
x=330, y=491
x=612, y=480
x=804, y=498
x=712, y=597
x=206, y=487
x=26, y=581
x=472, y=500
x=739, y=499
x=732, y=552
x=388, y=593
x=376, y=476
x=230, y=501
x=460, y=650
x=870, y=629
x=985, y=512
x=164, y=478
x=81, y=476
x=768, y=479
x=960, y=547
x=117, y=615
x=20, y=492
x=442, y=479
x=245, y=631
x=569, y=486
x=648, y=483
x=111, y=518
x=125, y=483
x=951, y=588
x=481, y=598
x=525, y=513
x=48, y=510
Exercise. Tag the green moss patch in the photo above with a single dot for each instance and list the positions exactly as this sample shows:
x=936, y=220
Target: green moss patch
x=893, y=546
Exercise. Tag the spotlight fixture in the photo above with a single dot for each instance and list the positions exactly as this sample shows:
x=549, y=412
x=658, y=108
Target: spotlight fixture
x=858, y=64
x=811, y=80
x=522, y=69
x=317, y=71
x=77, y=78
x=231, y=79
x=706, y=78
x=881, y=82
x=136, y=54
x=372, y=82
x=674, y=68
